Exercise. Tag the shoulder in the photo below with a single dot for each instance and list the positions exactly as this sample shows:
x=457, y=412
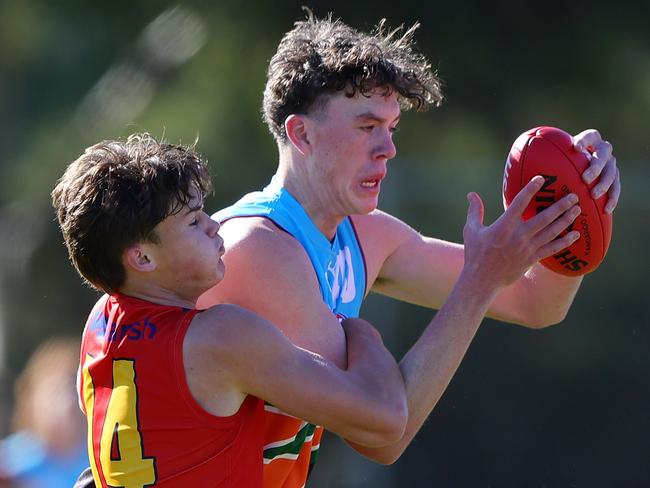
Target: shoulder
x=259, y=258
x=269, y=272
x=221, y=327
x=257, y=232
x=381, y=224
x=381, y=235
x=257, y=249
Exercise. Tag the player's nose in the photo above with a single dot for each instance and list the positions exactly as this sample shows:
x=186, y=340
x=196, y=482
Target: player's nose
x=386, y=149
x=213, y=227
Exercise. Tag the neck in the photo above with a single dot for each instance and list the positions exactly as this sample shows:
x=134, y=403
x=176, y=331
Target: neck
x=310, y=195
x=154, y=293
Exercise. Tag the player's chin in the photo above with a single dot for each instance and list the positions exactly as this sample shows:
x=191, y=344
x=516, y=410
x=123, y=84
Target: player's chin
x=218, y=274
x=221, y=270
x=364, y=204
x=372, y=204
x=362, y=208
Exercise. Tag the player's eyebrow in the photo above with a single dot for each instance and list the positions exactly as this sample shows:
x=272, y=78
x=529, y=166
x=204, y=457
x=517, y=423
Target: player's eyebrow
x=371, y=116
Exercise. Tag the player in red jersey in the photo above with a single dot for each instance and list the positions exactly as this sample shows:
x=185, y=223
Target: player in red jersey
x=173, y=395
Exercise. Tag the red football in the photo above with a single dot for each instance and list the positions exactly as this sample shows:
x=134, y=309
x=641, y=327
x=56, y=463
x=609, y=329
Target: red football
x=549, y=152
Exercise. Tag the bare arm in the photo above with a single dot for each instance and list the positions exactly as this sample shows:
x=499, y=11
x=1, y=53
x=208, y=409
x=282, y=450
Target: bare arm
x=230, y=352
x=540, y=298
x=495, y=256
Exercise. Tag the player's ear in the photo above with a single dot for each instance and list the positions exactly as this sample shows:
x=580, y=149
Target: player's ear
x=296, y=127
x=137, y=258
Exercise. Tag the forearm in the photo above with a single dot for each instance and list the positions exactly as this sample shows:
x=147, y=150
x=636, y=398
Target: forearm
x=430, y=364
x=378, y=380
x=539, y=299
x=495, y=257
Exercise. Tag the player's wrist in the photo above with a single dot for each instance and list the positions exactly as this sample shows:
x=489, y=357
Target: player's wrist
x=476, y=285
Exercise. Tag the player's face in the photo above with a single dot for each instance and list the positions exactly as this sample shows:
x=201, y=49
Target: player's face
x=188, y=255
x=352, y=141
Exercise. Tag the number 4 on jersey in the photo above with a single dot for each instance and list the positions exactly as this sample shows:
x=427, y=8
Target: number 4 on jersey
x=120, y=448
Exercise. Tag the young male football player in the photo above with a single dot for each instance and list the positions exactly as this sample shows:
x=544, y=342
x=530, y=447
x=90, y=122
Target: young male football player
x=306, y=250
x=173, y=395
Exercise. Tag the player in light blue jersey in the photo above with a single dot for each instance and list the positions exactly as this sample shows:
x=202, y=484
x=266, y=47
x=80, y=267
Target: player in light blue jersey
x=333, y=99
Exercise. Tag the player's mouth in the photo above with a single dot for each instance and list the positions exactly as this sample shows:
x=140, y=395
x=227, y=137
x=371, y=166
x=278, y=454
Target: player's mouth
x=373, y=183
x=370, y=184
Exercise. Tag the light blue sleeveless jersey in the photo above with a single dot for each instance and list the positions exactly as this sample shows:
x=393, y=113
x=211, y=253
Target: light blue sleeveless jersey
x=339, y=265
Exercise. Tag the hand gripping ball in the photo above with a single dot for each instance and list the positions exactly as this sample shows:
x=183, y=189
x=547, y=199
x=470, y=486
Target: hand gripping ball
x=549, y=152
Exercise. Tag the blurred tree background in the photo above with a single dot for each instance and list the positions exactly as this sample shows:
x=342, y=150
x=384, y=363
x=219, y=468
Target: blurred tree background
x=562, y=407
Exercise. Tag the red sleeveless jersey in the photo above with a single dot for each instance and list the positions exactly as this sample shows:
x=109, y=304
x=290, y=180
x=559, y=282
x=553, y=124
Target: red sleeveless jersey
x=144, y=426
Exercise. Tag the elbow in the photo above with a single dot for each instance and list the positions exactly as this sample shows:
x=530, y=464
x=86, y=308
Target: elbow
x=388, y=428
x=385, y=457
x=397, y=418
x=388, y=460
x=533, y=316
x=545, y=319
x=397, y=421
x=385, y=443
x=544, y=298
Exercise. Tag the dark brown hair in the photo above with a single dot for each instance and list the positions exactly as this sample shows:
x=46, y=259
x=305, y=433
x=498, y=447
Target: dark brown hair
x=325, y=56
x=115, y=194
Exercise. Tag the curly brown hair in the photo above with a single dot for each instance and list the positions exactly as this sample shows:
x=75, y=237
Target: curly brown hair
x=115, y=194
x=320, y=56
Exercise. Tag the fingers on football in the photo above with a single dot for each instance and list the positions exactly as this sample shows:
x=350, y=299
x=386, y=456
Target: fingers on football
x=523, y=198
x=550, y=232
x=613, y=194
x=601, y=157
x=607, y=178
x=557, y=245
x=552, y=213
x=587, y=138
